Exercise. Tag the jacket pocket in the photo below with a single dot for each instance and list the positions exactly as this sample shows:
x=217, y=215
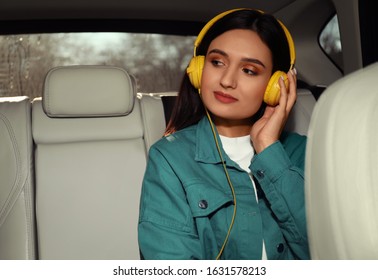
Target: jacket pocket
x=204, y=198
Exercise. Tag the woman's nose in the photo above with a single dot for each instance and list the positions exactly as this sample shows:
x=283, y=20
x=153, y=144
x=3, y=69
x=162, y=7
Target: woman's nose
x=228, y=79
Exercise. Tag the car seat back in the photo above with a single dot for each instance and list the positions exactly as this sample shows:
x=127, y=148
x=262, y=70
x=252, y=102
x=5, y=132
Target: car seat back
x=341, y=184
x=90, y=155
x=17, y=215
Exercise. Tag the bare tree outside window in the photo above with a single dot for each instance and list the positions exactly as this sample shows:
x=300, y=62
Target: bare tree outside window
x=157, y=61
x=330, y=41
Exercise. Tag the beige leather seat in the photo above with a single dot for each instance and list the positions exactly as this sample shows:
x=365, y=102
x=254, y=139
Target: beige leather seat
x=91, y=148
x=153, y=119
x=300, y=116
x=17, y=219
x=342, y=169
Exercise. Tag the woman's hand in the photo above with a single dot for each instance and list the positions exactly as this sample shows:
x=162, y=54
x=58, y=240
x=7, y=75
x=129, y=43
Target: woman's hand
x=268, y=128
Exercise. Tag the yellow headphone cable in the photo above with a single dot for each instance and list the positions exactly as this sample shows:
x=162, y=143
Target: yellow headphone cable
x=228, y=180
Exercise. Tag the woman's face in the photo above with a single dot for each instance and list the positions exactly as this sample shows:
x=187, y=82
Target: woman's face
x=237, y=69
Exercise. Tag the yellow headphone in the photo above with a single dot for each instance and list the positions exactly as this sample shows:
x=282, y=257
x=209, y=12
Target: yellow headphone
x=272, y=92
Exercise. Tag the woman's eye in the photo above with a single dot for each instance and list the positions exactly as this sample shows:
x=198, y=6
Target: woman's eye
x=249, y=71
x=216, y=62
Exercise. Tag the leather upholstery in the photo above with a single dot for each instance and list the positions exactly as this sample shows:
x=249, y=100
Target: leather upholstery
x=300, y=116
x=77, y=91
x=17, y=219
x=341, y=169
x=89, y=167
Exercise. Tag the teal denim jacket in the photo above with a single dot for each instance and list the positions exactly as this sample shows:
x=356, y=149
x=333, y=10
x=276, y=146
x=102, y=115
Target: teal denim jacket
x=186, y=203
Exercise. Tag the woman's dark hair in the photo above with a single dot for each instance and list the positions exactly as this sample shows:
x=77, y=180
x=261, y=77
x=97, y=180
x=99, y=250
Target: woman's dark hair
x=188, y=108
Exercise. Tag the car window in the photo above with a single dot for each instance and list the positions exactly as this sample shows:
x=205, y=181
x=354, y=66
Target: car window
x=157, y=61
x=329, y=40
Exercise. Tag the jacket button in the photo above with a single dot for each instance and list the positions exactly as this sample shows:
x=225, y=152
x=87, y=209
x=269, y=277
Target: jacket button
x=202, y=204
x=261, y=174
x=280, y=248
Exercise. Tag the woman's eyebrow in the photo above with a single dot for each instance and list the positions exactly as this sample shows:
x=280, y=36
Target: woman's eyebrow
x=245, y=59
x=218, y=51
x=253, y=60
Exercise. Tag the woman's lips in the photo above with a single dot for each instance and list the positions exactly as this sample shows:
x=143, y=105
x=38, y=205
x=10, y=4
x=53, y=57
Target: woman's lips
x=224, y=98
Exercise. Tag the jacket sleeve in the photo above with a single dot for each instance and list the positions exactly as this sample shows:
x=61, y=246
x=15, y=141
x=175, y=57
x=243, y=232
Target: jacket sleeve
x=166, y=228
x=279, y=171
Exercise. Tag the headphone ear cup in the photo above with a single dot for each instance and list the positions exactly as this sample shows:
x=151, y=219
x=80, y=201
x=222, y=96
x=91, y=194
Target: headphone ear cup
x=273, y=91
x=194, y=70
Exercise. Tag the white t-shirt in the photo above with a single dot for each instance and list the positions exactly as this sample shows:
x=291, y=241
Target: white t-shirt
x=241, y=151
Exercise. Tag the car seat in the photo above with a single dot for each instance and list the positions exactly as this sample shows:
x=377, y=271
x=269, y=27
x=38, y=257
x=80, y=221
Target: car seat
x=17, y=219
x=341, y=178
x=91, y=144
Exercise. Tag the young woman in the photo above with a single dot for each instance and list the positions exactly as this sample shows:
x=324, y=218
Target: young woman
x=226, y=182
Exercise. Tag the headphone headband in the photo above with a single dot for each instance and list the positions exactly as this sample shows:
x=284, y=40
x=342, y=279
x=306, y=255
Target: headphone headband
x=221, y=15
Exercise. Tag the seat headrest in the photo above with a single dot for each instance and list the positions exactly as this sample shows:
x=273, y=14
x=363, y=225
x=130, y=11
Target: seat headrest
x=341, y=178
x=88, y=91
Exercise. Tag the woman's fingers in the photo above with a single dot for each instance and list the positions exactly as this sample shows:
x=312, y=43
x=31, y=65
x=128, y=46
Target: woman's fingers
x=292, y=94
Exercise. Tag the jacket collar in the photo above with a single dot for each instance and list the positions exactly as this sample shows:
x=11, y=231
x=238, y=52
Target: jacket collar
x=206, y=150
